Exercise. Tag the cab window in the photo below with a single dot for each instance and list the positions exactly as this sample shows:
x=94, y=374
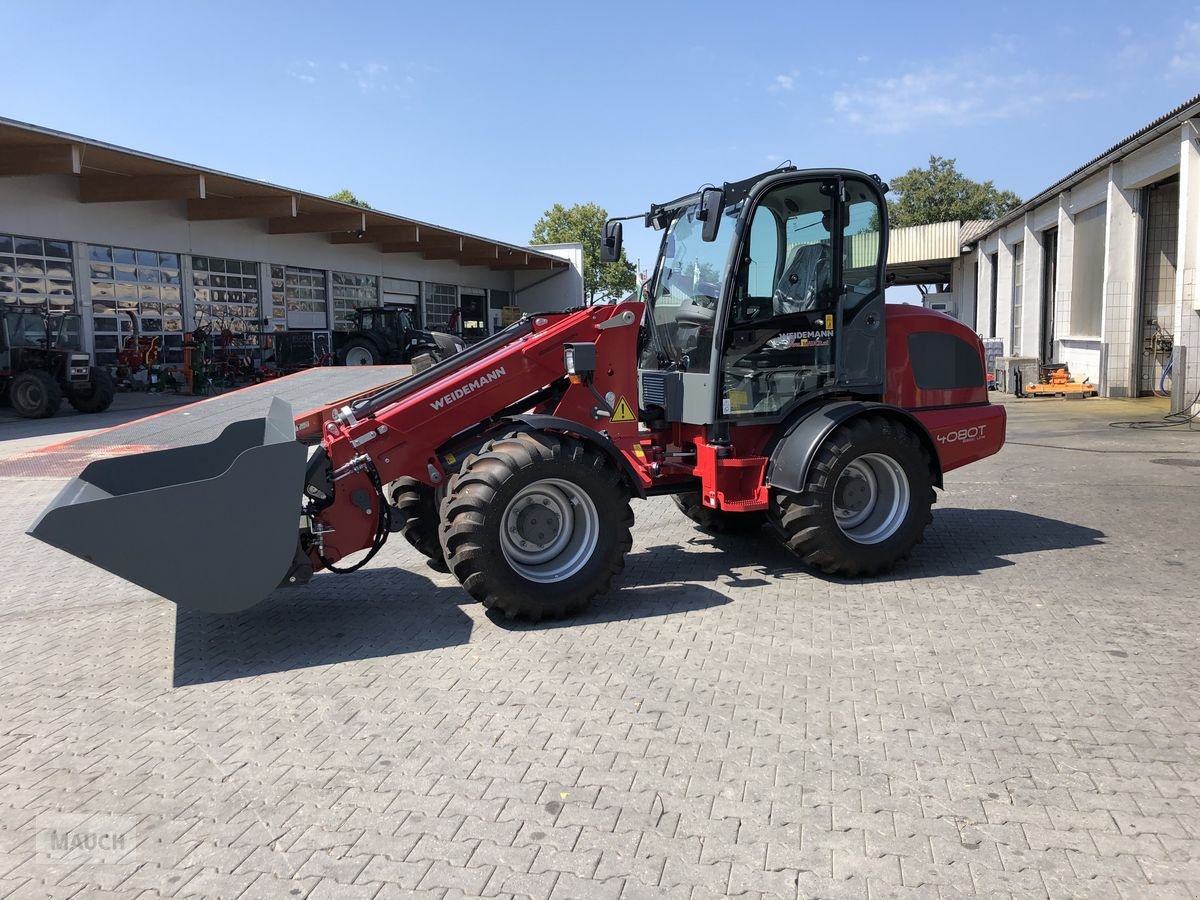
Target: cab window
x=779, y=342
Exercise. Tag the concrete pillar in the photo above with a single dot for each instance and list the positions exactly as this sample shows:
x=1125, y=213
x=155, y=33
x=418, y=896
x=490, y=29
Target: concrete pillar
x=1065, y=264
x=1031, y=311
x=966, y=287
x=83, y=296
x=983, y=291
x=1187, y=275
x=1004, y=295
x=1120, y=332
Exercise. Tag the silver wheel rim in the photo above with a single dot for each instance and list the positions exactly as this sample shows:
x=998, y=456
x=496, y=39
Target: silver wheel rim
x=29, y=394
x=549, y=530
x=359, y=356
x=871, y=498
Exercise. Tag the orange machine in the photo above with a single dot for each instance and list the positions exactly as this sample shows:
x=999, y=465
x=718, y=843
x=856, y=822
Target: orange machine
x=1058, y=383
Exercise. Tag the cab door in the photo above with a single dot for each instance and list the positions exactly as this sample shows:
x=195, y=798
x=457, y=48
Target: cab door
x=860, y=334
x=805, y=314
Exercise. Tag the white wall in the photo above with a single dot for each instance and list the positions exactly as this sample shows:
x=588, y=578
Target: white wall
x=1119, y=185
x=47, y=206
x=1187, y=279
x=545, y=291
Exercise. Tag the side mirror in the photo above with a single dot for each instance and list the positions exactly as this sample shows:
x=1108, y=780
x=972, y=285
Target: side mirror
x=610, y=246
x=712, y=202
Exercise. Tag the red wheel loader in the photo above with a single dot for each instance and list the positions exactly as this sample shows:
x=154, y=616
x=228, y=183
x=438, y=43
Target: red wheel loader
x=762, y=381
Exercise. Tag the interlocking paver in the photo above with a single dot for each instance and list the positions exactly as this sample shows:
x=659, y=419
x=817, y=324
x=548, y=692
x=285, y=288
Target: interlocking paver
x=1015, y=710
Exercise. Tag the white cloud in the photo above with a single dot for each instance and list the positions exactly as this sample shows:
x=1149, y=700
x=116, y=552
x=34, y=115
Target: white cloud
x=1186, y=59
x=782, y=83
x=378, y=77
x=958, y=91
x=305, y=71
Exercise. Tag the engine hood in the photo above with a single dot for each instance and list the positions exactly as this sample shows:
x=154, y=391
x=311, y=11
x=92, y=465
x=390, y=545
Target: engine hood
x=447, y=343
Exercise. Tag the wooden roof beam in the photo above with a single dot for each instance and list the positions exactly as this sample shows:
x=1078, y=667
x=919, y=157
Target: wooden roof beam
x=376, y=234
x=125, y=188
x=39, y=159
x=315, y=222
x=443, y=249
x=211, y=208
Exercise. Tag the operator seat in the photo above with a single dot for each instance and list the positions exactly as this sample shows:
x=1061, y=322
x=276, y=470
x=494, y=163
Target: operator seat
x=804, y=281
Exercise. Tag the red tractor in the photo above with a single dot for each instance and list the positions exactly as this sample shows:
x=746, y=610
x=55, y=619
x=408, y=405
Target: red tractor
x=763, y=381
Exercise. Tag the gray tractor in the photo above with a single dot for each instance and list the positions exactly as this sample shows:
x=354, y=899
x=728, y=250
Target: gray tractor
x=41, y=361
x=383, y=336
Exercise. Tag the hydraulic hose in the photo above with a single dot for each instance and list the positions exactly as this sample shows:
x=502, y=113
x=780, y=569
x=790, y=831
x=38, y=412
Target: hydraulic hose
x=1162, y=379
x=382, y=528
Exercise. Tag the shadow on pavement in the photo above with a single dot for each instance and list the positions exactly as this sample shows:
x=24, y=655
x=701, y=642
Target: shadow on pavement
x=626, y=602
x=376, y=613
x=327, y=621
x=959, y=542
x=386, y=612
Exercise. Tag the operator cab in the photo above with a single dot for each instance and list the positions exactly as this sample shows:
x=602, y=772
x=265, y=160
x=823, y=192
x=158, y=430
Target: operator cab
x=767, y=293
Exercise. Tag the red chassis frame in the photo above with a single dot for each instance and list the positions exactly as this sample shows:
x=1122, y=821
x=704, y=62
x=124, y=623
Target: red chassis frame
x=408, y=437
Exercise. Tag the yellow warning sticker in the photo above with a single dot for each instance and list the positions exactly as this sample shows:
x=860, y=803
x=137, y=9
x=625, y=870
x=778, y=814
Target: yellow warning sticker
x=622, y=412
x=829, y=322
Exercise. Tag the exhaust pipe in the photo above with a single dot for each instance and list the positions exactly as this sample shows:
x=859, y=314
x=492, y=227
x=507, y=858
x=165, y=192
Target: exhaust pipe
x=213, y=527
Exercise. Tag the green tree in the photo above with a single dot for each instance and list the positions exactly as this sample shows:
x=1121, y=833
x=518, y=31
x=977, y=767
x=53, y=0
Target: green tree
x=584, y=223
x=940, y=193
x=345, y=195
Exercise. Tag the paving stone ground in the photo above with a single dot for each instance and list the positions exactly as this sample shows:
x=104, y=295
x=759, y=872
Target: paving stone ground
x=1013, y=712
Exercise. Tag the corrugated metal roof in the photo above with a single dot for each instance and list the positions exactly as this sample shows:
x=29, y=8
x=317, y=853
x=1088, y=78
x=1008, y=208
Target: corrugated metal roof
x=920, y=243
x=1185, y=110
x=973, y=229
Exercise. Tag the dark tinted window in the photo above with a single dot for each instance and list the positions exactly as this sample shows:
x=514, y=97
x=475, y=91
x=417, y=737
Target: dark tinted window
x=943, y=361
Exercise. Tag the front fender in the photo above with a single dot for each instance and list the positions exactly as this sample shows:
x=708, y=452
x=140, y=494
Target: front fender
x=796, y=443
x=568, y=426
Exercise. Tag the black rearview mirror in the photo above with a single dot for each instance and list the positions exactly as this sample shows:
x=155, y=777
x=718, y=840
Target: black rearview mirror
x=610, y=246
x=712, y=201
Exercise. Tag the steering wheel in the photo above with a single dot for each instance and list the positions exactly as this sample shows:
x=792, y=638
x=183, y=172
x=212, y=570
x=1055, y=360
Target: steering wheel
x=696, y=312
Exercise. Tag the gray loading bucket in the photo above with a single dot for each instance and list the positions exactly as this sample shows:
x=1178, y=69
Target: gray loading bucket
x=211, y=526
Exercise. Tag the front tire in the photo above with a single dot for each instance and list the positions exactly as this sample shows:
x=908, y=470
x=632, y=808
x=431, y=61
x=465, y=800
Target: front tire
x=415, y=510
x=866, y=501
x=35, y=394
x=97, y=396
x=536, y=525
x=360, y=352
x=716, y=520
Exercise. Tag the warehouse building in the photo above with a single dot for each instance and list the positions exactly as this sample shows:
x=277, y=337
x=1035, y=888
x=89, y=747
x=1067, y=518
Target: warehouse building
x=1101, y=271
x=150, y=247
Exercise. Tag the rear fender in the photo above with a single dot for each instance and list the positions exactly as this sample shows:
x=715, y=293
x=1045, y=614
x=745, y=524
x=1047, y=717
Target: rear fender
x=796, y=444
x=965, y=434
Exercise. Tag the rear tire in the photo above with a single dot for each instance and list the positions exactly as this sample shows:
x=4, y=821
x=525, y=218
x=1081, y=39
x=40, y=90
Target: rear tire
x=414, y=508
x=716, y=520
x=97, y=396
x=866, y=501
x=360, y=352
x=35, y=394
x=536, y=525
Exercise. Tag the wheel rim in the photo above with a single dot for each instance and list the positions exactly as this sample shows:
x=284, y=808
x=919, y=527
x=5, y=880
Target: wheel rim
x=871, y=498
x=29, y=395
x=359, y=356
x=549, y=530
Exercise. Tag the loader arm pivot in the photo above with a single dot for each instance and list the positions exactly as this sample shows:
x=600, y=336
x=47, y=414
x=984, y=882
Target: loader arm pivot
x=400, y=432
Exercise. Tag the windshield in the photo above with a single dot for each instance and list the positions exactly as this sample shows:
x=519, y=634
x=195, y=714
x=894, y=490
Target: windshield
x=69, y=337
x=683, y=301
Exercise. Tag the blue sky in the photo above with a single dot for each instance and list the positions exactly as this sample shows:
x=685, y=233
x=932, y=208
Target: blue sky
x=481, y=115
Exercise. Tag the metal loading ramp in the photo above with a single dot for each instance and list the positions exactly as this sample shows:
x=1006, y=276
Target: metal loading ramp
x=312, y=394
